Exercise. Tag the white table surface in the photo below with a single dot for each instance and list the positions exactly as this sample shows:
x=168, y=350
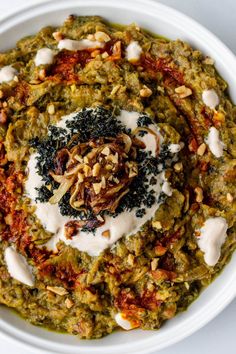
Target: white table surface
x=219, y=336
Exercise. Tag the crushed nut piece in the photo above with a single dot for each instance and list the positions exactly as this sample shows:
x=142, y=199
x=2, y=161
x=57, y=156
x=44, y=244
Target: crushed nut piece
x=145, y=92
x=108, y=168
x=178, y=167
x=116, y=52
x=201, y=149
x=102, y=36
x=229, y=197
x=90, y=37
x=150, y=287
x=183, y=91
x=96, y=169
x=16, y=78
x=208, y=61
x=58, y=36
x=154, y=264
x=97, y=187
x=51, y=109
x=112, y=158
x=156, y=225
x=106, y=151
x=69, y=303
x=59, y=290
x=42, y=74
x=160, y=89
x=106, y=233
x=103, y=181
x=199, y=194
x=105, y=55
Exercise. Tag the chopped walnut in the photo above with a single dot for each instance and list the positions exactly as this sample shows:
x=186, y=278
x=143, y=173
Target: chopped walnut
x=69, y=303
x=59, y=290
x=104, y=55
x=201, y=149
x=42, y=74
x=208, y=61
x=199, y=194
x=154, y=264
x=102, y=37
x=156, y=225
x=58, y=36
x=97, y=187
x=105, y=151
x=229, y=197
x=51, y=109
x=183, y=91
x=178, y=167
x=145, y=92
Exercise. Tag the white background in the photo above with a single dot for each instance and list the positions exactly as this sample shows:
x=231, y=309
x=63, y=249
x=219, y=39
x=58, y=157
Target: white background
x=218, y=337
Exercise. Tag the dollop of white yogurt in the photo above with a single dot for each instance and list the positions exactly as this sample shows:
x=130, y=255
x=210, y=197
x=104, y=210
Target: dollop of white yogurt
x=212, y=236
x=125, y=223
x=44, y=56
x=71, y=44
x=210, y=98
x=7, y=73
x=18, y=267
x=216, y=146
x=133, y=51
x=123, y=322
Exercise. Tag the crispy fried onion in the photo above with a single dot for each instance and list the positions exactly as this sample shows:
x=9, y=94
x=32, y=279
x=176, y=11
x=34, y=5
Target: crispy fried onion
x=152, y=132
x=97, y=173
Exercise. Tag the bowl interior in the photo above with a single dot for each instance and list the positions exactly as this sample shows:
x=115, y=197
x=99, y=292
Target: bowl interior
x=162, y=20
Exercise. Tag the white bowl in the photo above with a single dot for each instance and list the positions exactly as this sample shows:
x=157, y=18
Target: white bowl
x=169, y=23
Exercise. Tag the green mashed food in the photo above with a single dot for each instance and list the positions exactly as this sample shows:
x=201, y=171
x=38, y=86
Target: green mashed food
x=176, y=200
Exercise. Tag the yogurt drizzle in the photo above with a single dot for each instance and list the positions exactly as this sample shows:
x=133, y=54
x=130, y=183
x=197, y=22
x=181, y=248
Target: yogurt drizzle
x=44, y=56
x=212, y=236
x=216, y=146
x=83, y=44
x=125, y=223
x=18, y=267
x=7, y=73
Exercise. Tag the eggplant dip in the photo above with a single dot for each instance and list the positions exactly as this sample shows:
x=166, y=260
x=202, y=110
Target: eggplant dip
x=117, y=177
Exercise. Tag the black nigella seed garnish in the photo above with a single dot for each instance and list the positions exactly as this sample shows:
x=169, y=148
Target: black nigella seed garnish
x=144, y=121
x=91, y=124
